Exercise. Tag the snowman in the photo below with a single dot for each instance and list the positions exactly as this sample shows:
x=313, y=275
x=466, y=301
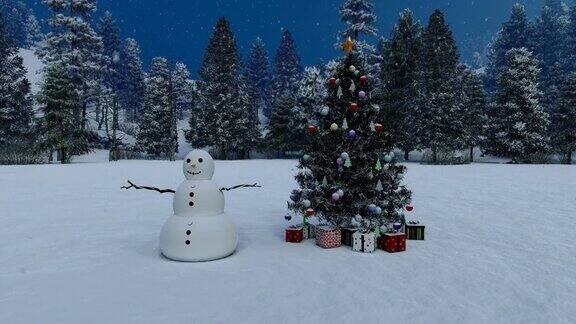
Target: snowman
x=199, y=230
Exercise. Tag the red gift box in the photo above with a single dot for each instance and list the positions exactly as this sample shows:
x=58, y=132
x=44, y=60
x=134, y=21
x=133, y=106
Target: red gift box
x=392, y=242
x=294, y=234
x=328, y=237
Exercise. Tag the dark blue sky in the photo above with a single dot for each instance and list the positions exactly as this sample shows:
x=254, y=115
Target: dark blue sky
x=179, y=29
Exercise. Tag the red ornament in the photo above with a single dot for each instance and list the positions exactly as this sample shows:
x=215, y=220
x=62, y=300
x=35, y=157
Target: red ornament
x=378, y=128
x=353, y=107
x=409, y=208
x=309, y=212
x=332, y=82
x=312, y=129
x=363, y=79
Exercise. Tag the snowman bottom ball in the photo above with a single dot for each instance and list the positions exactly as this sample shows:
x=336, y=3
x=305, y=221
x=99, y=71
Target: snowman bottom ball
x=198, y=238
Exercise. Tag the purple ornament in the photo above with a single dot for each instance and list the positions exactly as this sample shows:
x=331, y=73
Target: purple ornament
x=362, y=95
x=339, y=161
x=335, y=197
x=352, y=134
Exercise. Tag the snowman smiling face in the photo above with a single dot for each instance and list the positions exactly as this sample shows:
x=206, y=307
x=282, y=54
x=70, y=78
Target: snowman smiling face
x=198, y=165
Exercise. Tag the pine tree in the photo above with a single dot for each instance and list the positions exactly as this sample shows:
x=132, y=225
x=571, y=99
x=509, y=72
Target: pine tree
x=226, y=114
x=60, y=120
x=570, y=43
x=15, y=101
x=360, y=20
x=310, y=96
x=287, y=69
x=515, y=33
x=472, y=109
x=75, y=46
x=548, y=49
x=132, y=85
x=518, y=123
x=258, y=76
x=341, y=175
x=110, y=33
x=16, y=15
x=440, y=127
x=400, y=82
x=157, y=130
x=281, y=135
x=183, y=91
x=33, y=33
x=564, y=121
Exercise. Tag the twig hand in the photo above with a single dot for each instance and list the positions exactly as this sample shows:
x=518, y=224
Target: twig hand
x=162, y=191
x=241, y=186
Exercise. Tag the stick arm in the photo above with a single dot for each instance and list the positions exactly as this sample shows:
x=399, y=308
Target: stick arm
x=132, y=185
x=255, y=185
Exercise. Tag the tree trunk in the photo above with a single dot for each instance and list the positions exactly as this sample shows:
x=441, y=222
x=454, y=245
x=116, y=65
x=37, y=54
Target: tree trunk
x=63, y=156
x=434, y=155
x=406, y=155
x=568, y=158
x=471, y=154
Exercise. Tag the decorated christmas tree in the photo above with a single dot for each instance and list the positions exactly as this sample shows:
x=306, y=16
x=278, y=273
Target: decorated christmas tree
x=347, y=175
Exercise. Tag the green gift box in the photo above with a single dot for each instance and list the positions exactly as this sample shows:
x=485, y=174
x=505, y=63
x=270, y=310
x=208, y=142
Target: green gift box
x=347, y=234
x=415, y=231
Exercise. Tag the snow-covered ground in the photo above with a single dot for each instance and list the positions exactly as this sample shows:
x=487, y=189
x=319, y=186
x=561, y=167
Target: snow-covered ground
x=74, y=248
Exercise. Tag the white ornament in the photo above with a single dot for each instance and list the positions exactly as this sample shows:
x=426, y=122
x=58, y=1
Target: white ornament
x=340, y=193
x=339, y=93
x=199, y=230
x=352, y=87
x=325, y=111
x=345, y=124
x=372, y=126
x=379, y=186
x=324, y=181
x=306, y=203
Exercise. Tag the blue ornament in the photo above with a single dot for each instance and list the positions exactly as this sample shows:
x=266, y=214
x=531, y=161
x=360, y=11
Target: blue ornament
x=388, y=158
x=352, y=134
x=294, y=198
x=288, y=217
x=372, y=208
x=378, y=211
x=397, y=227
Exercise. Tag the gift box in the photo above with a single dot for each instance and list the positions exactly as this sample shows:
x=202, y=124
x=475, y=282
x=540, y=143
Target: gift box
x=347, y=234
x=392, y=242
x=328, y=237
x=415, y=231
x=294, y=234
x=364, y=242
x=309, y=231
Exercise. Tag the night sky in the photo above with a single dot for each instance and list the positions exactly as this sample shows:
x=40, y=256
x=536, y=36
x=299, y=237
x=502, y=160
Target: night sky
x=179, y=29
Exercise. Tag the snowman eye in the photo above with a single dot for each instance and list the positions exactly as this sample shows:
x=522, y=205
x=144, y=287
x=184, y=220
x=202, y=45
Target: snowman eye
x=200, y=160
x=188, y=161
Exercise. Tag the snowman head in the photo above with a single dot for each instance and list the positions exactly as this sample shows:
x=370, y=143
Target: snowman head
x=198, y=165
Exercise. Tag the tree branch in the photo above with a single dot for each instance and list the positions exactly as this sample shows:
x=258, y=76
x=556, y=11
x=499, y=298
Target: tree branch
x=241, y=186
x=162, y=191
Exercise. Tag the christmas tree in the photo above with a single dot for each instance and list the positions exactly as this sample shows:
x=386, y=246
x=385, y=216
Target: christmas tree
x=348, y=175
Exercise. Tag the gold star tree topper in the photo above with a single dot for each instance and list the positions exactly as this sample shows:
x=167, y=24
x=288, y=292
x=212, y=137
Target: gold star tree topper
x=348, y=45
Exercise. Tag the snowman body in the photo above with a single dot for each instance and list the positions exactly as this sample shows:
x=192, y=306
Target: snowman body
x=199, y=230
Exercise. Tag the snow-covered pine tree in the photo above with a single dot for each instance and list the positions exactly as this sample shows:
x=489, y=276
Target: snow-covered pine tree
x=570, y=42
x=440, y=129
x=472, y=108
x=400, y=83
x=515, y=33
x=287, y=69
x=258, y=76
x=348, y=175
x=183, y=91
x=132, y=86
x=16, y=15
x=157, y=131
x=15, y=100
x=59, y=124
x=110, y=33
x=549, y=42
x=360, y=20
x=563, y=128
x=518, y=124
x=310, y=96
x=225, y=115
x=73, y=44
x=33, y=32
x=245, y=135
x=281, y=135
